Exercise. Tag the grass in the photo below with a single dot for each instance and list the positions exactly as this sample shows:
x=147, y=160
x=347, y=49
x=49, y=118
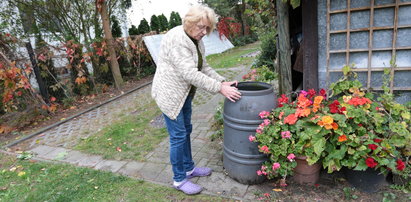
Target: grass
x=231, y=58
x=23, y=180
x=129, y=138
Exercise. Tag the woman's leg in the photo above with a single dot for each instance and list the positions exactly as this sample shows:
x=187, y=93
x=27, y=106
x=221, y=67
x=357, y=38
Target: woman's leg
x=178, y=138
x=187, y=158
x=180, y=147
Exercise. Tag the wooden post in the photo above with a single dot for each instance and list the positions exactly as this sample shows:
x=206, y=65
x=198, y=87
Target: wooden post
x=284, y=70
x=310, y=44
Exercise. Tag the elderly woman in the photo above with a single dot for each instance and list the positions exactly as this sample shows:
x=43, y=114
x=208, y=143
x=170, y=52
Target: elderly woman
x=182, y=68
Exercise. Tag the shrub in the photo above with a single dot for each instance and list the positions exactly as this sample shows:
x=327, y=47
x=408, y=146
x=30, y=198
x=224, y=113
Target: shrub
x=268, y=50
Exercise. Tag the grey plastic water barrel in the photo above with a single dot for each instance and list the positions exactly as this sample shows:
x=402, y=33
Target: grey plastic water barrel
x=241, y=157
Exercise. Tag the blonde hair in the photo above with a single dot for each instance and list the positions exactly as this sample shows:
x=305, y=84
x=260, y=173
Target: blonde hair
x=196, y=13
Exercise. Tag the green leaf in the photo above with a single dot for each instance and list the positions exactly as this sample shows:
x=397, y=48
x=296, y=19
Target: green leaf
x=346, y=69
x=361, y=165
x=406, y=115
x=319, y=145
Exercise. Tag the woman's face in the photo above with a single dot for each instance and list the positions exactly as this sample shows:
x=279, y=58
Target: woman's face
x=199, y=30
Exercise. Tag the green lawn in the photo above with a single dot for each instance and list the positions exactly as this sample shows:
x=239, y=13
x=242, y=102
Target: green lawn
x=131, y=137
x=23, y=180
x=231, y=58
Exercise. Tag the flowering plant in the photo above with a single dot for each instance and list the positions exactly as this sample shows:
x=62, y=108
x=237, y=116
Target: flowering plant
x=291, y=130
x=347, y=128
x=373, y=130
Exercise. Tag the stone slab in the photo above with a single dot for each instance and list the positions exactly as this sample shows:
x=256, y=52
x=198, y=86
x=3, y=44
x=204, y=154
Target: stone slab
x=110, y=165
x=221, y=184
x=166, y=176
x=90, y=161
x=57, y=154
x=73, y=157
x=132, y=169
x=152, y=170
x=42, y=150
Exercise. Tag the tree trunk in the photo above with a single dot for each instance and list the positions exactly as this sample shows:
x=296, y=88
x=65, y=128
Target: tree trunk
x=243, y=18
x=42, y=86
x=118, y=80
x=284, y=70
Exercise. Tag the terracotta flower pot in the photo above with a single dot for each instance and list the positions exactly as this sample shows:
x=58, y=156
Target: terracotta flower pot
x=305, y=173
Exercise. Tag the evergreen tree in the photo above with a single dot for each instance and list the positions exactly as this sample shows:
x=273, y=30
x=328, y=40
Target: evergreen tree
x=154, y=23
x=115, y=27
x=133, y=30
x=179, y=21
x=163, y=22
x=175, y=20
x=143, y=27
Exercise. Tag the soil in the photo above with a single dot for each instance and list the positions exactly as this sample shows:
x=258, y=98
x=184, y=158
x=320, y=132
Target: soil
x=80, y=104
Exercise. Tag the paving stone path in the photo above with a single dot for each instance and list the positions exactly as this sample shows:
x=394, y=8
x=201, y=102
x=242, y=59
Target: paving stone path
x=57, y=143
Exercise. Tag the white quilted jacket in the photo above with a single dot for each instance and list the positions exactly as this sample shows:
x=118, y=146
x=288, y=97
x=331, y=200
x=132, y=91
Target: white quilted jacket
x=177, y=71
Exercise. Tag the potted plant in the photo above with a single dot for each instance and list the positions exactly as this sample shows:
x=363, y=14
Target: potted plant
x=290, y=132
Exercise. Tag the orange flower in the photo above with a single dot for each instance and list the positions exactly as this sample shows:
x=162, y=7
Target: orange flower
x=318, y=99
x=303, y=112
x=334, y=126
x=328, y=120
x=303, y=102
x=290, y=119
x=328, y=123
x=342, y=138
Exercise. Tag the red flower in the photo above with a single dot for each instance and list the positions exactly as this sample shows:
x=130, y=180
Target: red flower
x=372, y=146
x=290, y=119
x=360, y=125
x=282, y=100
x=376, y=140
x=400, y=165
x=371, y=162
x=323, y=93
x=311, y=92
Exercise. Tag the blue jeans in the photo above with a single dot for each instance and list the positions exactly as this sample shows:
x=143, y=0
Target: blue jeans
x=179, y=131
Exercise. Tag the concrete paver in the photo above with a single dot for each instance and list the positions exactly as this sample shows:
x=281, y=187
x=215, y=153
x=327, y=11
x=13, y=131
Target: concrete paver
x=110, y=165
x=132, y=169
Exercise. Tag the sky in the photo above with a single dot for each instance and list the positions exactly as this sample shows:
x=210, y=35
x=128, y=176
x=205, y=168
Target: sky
x=146, y=8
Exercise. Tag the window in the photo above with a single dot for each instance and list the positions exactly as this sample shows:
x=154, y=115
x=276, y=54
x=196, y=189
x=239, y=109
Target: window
x=367, y=33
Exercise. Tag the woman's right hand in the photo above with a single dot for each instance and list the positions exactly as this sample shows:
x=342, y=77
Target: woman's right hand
x=229, y=91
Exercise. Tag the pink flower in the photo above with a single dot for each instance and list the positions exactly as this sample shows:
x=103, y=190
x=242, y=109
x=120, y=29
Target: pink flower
x=280, y=116
x=286, y=134
x=251, y=138
x=291, y=157
x=259, y=173
x=263, y=168
x=264, y=149
x=266, y=194
x=42, y=57
x=264, y=114
x=276, y=166
x=259, y=131
x=266, y=122
x=305, y=93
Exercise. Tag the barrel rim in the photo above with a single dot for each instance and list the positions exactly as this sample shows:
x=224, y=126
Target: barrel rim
x=256, y=92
